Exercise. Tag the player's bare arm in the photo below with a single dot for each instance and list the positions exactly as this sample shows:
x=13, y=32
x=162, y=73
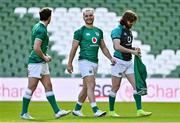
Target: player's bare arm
x=74, y=48
x=106, y=52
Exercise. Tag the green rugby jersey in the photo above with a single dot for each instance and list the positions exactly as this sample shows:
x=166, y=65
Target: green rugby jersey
x=89, y=41
x=39, y=31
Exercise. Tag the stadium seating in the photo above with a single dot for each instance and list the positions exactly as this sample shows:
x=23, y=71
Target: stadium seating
x=156, y=32
x=21, y=11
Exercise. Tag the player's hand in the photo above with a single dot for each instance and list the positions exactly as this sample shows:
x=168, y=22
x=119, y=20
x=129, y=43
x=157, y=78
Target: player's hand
x=47, y=58
x=50, y=58
x=138, y=49
x=113, y=61
x=136, y=52
x=70, y=68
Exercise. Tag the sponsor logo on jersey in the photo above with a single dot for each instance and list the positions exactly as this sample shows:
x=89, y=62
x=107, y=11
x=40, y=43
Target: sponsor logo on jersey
x=94, y=40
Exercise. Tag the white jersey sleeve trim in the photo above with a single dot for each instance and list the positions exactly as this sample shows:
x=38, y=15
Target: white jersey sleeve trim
x=76, y=40
x=38, y=39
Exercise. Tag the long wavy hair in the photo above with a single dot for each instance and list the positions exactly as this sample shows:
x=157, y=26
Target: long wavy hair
x=128, y=15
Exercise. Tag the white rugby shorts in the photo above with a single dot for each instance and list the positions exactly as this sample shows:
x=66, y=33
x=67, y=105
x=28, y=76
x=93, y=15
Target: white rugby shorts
x=122, y=67
x=37, y=70
x=87, y=68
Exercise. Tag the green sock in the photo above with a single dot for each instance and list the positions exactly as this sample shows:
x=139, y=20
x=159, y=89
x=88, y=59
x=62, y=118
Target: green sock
x=95, y=108
x=78, y=107
x=111, y=103
x=52, y=101
x=25, y=105
x=138, y=101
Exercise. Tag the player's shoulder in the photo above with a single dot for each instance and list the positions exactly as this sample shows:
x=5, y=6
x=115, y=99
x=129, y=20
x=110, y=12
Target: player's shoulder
x=98, y=29
x=80, y=29
x=118, y=28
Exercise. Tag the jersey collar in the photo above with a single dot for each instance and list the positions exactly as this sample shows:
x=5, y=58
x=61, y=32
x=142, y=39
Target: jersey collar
x=42, y=23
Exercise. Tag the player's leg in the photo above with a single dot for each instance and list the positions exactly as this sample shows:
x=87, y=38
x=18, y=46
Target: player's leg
x=83, y=68
x=116, y=71
x=34, y=75
x=46, y=81
x=88, y=71
x=32, y=84
x=90, y=82
x=83, y=94
x=81, y=98
x=49, y=93
x=137, y=97
x=116, y=81
x=130, y=76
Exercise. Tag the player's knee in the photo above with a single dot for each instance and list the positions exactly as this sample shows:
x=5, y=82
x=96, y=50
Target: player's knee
x=48, y=87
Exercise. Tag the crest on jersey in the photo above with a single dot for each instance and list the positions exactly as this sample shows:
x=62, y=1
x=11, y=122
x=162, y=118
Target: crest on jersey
x=94, y=40
x=97, y=33
x=129, y=39
x=87, y=34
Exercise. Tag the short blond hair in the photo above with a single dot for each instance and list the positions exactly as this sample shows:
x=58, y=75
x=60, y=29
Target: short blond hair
x=87, y=9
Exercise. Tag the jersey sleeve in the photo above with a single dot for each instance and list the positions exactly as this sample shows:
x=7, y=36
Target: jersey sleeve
x=40, y=34
x=116, y=33
x=77, y=35
x=102, y=36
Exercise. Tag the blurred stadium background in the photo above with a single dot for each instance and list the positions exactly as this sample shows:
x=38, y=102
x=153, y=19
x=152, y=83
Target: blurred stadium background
x=157, y=32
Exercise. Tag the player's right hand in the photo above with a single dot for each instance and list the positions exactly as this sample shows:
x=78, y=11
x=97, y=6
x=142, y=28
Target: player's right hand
x=47, y=58
x=70, y=68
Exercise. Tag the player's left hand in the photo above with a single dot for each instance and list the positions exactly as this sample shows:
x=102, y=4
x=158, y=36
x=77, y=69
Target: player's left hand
x=138, y=50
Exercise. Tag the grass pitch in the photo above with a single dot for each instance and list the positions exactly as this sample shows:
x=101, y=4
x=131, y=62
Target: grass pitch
x=42, y=112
